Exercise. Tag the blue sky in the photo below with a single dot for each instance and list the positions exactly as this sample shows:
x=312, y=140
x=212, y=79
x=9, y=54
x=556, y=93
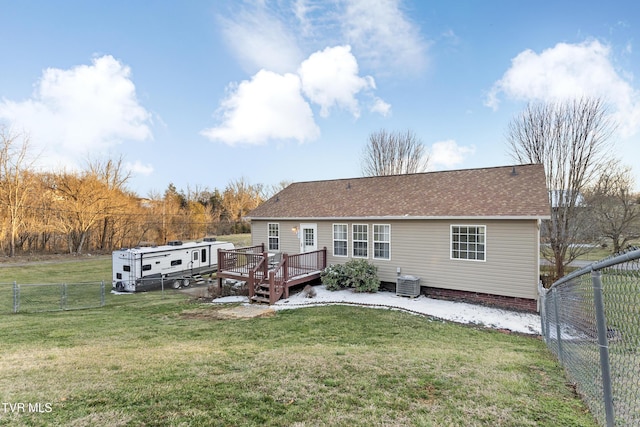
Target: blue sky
x=198, y=93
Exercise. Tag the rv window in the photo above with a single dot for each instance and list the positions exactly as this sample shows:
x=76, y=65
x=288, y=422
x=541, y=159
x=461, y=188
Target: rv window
x=118, y=275
x=176, y=262
x=146, y=267
x=195, y=256
x=126, y=267
x=203, y=258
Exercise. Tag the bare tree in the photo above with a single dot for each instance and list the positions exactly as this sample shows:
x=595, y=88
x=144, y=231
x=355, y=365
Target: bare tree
x=82, y=201
x=571, y=139
x=613, y=207
x=114, y=176
x=269, y=191
x=240, y=197
x=16, y=181
x=393, y=153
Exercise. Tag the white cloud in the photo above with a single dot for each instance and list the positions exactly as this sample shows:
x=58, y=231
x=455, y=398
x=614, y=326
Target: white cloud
x=330, y=78
x=260, y=40
x=277, y=35
x=269, y=106
x=139, y=168
x=382, y=34
x=381, y=107
x=85, y=109
x=448, y=154
x=566, y=71
x=273, y=106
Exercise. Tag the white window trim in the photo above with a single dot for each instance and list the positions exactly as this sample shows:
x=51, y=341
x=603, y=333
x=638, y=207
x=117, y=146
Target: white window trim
x=353, y=242
x=451, y=242
x=373, y=246
x=346, y=240
x=269, y=236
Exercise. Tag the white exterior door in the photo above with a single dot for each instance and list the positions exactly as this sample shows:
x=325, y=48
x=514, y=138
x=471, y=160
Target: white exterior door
x=195, y=259
x=308, y=237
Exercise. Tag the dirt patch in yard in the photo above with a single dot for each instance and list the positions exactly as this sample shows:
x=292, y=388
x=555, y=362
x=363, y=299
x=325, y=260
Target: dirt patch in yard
x=226, y=313
x=200, y=291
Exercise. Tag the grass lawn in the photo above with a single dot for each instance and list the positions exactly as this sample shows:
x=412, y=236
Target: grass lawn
x=153, y=360
x=147, y=360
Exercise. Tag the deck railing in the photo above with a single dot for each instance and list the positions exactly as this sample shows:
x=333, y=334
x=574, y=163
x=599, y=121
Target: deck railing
x=240, y=260
x=258, y=273
x=307, y=262
x=292, y=267
x=278, y=278
x=253, y=264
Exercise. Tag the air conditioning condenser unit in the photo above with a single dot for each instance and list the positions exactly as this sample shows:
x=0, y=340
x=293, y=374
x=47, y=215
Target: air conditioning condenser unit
x=408, y=286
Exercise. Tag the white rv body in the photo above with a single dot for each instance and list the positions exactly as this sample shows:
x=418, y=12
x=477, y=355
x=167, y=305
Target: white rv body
x=172, y=265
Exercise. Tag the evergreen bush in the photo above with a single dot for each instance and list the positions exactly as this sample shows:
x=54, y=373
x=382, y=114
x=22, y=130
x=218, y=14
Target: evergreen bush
x=358, y=274
x=334, y=277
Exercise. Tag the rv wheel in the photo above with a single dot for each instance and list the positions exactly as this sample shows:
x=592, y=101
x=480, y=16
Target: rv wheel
x=176, y=284
x=185, y=283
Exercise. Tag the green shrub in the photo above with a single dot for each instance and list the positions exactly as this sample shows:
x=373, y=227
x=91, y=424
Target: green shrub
x=334, y=277
x=358, y=274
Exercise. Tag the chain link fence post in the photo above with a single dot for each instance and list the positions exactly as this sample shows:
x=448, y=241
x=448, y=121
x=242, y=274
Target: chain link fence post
x=603, y=343
x=554, y=295
x=16, y=297
x=102, y=293
x=63, y=296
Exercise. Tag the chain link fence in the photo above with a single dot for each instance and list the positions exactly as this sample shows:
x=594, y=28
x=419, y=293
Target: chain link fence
x=591, y=322
x=32, y=298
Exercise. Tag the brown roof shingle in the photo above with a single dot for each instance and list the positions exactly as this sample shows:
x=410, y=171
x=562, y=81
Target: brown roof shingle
x=486, y=192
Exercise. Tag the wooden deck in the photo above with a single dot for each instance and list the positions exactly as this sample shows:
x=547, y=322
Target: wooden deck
x=269, y=276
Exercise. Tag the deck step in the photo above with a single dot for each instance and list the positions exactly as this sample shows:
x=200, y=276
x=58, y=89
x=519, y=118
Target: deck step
x=257, y=298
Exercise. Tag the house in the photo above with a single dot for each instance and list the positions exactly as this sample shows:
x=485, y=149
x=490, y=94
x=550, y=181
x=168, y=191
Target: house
x=467, y=234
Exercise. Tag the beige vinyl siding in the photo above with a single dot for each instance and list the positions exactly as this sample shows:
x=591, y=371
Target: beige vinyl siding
x=289, y=242
x=422, y=248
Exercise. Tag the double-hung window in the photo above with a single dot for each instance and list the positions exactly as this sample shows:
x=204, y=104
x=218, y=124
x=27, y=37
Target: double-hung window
x=468, y=242
x=360, y=237
x=274, y=236
x=381, y=241
x=340, y=236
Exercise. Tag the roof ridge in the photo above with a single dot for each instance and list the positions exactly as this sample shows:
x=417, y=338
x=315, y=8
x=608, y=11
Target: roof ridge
x=417, y=173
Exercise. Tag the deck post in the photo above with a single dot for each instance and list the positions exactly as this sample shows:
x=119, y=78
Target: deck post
x=324, y=258
x=218, y=278
x=250, y=285
x=285, y=265
x=272, y=287
x=265, y=264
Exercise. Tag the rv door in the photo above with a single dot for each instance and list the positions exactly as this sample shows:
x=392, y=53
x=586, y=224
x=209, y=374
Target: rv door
x=195, y=259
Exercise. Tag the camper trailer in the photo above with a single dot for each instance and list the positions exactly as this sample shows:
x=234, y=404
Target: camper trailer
x=173, y=265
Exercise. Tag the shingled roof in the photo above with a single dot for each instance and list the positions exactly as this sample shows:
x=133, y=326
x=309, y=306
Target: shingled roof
x=502, y=192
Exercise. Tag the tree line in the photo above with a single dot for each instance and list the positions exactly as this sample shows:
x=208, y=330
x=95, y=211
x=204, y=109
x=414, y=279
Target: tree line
x=592, y=197
x=92, y=210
